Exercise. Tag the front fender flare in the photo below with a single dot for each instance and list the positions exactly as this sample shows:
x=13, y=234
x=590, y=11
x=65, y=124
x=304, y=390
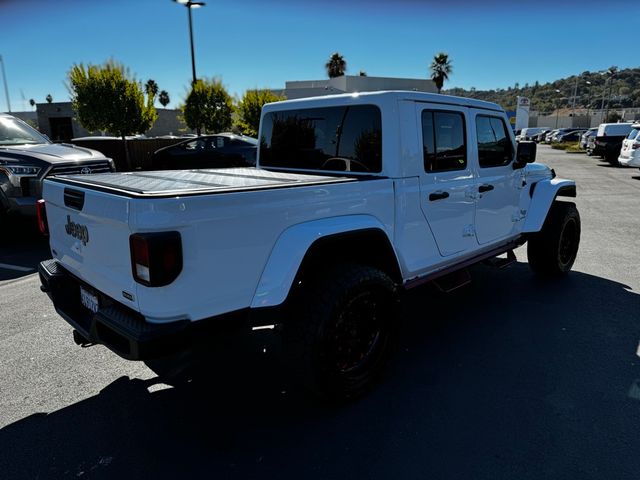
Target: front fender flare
x=544, y=193
x=290, y=249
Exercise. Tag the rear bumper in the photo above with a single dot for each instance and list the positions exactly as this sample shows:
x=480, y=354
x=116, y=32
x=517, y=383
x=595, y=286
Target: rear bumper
x=125, y=331
x=632, y=160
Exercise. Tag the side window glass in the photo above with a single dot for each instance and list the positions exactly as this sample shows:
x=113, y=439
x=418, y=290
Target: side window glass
x=194, y=145
x=443, y=141
x=494, y=144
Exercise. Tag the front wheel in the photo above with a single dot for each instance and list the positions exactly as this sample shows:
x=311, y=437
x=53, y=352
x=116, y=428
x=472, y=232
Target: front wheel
x=343, y=331
x=553, y=250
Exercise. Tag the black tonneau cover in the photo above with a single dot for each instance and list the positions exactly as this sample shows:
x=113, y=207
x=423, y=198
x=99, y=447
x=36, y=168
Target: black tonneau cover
x=171, y=183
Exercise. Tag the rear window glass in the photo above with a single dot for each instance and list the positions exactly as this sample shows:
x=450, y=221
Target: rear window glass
x=443, y=141
x=345, y=139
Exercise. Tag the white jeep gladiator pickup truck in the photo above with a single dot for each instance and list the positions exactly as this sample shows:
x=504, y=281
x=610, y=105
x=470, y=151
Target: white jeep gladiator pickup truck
x=355, y=197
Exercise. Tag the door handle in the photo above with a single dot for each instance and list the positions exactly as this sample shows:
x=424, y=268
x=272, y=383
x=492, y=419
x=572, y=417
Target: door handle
x=438, y=196
x=485, y=188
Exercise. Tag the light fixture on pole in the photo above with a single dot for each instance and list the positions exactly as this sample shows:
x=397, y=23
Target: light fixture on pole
x=189, y=4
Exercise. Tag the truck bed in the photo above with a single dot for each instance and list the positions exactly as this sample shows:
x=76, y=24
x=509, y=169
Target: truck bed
x=193, y=182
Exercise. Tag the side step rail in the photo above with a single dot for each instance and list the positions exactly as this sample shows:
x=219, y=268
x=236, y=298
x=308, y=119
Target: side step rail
x=501, y=262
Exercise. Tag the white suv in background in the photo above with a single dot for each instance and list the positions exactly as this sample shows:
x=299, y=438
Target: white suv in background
x=630, y=152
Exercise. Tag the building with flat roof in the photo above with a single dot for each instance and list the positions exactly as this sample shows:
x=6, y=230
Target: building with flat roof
x=352, y=84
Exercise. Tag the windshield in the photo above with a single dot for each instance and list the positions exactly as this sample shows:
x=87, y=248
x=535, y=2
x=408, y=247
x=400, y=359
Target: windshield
x=16, y=132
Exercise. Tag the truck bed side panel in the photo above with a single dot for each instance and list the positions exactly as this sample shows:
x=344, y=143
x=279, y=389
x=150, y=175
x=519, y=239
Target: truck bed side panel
x=227, y=239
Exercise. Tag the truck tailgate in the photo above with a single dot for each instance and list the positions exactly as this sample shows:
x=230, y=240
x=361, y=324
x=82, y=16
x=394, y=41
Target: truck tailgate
x=89, y=235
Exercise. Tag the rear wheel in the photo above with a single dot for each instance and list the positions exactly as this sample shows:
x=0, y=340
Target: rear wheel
x=553, y=250
x=342, y=331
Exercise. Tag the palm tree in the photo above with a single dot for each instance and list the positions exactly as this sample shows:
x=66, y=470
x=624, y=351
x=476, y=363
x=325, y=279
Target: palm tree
x=164, y=98
x=151, y=88
x=336, y=66
x=32, y=102
x=49, y=98
x=440, y=69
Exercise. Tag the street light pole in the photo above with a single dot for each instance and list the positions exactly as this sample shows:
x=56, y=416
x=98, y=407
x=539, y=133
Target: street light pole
x=6, y=88
x=557, y=108
x=588, y=103
x=193, y=55
x=189, y=4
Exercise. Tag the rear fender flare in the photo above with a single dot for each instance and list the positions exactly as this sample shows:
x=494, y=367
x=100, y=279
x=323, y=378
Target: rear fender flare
x=544, y=193
x=290, y=250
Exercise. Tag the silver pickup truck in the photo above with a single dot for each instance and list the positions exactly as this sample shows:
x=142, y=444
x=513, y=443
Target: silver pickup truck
x=354, y=198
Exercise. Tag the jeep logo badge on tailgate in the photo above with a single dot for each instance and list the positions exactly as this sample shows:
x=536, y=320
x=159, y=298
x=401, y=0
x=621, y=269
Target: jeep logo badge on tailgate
x=81, y=232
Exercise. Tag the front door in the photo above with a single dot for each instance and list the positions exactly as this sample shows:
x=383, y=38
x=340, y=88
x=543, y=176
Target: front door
x=499, y=185
x=446, y=186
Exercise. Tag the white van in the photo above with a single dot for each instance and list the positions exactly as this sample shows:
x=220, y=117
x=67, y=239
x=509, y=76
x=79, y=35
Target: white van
x=614, y=129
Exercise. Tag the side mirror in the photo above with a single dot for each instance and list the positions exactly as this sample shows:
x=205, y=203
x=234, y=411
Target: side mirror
x=525, y=153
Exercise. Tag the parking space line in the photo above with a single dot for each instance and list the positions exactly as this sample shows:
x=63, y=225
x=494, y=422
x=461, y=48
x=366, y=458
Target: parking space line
x=15, y=267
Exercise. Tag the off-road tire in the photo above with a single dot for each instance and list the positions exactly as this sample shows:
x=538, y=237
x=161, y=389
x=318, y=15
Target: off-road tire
x=553, y=250
x=347, y=311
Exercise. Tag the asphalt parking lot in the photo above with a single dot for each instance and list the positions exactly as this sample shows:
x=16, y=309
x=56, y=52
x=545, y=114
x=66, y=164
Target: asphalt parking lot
x=509, y=377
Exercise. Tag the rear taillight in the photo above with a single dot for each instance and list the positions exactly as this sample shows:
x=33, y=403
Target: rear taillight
x=41, y=211
x=635, y=146
x=156, y=258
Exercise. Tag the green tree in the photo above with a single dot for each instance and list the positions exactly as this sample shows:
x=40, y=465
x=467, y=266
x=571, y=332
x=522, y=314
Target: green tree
x=336, y=65
x=32, y=102
x=208, y=106
x=250, y=107
x=440, y=69
x=49, y=98
x=107, y=97
x=164, y=99
x=362, y=73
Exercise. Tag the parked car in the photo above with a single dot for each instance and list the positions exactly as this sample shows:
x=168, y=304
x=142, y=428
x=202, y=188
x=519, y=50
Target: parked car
x=541, y=136
x=28, y=157
x=608, y=141
x=571, y=136
x=223, y=150
x=561, y=132
x=314, y=245
x=549, y=135
x=630, y=151
x=518, y=134
x=584, y=138
x=529, y=134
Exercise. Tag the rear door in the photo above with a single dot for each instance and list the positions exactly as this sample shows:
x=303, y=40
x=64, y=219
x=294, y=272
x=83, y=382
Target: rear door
x=499, y=185
x=447, y=181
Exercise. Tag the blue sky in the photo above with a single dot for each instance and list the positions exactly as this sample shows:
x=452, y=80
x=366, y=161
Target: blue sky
x=252, y=43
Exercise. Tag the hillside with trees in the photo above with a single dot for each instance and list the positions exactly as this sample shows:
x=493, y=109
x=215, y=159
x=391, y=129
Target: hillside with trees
x=623, y=86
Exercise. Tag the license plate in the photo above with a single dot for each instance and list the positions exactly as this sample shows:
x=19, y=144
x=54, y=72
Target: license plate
x=88, y=300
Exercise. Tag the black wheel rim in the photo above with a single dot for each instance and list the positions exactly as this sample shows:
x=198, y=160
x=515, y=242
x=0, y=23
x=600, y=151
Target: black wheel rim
x=356, y=338
x=568, y=243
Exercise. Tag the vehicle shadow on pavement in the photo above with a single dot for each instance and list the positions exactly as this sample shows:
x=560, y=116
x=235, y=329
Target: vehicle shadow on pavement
x=22, y=247
x=509, y=377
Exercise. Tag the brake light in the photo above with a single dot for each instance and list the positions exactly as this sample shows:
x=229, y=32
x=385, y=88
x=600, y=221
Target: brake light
x=156, y=258
x=41, y=212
